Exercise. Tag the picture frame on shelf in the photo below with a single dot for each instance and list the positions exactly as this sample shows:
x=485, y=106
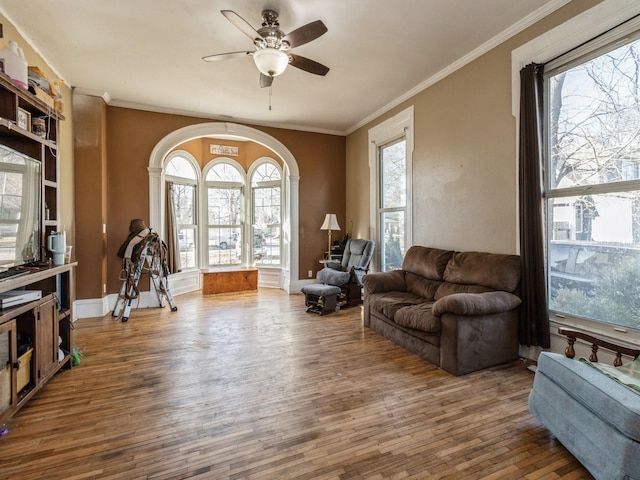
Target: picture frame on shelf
x=24, y=119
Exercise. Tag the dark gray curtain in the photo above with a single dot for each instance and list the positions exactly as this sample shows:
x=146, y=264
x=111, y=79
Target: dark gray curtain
x=173, y=253
x=534, y=316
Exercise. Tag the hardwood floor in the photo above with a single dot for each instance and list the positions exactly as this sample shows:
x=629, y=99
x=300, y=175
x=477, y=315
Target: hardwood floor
x=250, y=386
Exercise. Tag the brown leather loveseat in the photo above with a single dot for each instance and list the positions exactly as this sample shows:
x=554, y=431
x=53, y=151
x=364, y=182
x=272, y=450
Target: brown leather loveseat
x=458, y=310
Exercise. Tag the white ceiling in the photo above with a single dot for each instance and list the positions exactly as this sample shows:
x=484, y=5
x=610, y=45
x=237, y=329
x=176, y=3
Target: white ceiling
x=147, y=53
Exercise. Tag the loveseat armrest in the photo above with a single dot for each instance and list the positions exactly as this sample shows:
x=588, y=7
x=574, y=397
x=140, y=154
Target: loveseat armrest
x=380, y=282
x=487, y=303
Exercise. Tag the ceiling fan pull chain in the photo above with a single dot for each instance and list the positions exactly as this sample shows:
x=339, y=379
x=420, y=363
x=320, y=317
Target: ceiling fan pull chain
x=270, y=87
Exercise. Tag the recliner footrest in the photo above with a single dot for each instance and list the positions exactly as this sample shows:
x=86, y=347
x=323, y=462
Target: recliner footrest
x=320, y=298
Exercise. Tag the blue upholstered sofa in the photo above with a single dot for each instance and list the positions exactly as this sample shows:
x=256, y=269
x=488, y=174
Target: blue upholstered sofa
x=594, y=416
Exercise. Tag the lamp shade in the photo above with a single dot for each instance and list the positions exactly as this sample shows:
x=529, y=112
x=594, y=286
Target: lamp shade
x=330, y=222
x=270, y=61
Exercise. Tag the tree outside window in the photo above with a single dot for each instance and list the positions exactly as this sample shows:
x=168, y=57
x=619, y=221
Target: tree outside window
x=393, y=202
x=224, y=224
x=181, y=172
x=593, y=187
x=266, y=186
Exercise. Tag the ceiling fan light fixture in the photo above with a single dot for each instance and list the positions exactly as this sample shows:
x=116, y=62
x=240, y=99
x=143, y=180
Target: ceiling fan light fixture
x=271, y=61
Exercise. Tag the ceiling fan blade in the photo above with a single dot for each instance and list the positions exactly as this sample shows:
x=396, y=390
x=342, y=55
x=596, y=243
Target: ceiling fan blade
x=265, y=80
x=308, y=65
x=225, y=56
x=306, y=33
x=241, y=24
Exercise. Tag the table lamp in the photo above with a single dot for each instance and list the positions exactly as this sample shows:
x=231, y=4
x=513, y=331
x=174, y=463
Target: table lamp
x=330, y=223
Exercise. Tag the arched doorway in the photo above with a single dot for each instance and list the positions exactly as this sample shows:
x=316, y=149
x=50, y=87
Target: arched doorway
x=239, y=132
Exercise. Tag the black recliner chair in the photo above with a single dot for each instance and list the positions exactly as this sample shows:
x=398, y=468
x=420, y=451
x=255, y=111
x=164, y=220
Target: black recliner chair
x=349, y=272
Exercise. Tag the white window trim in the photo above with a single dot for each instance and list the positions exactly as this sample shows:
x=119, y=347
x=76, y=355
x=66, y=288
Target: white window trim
x=249, y=236
x=395, y=127
x=555, y=42
x=187, y=156
x=186, y=181
x=204, y=199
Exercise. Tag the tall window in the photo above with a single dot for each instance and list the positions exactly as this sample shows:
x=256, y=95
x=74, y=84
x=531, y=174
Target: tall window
x=393, y=203
x=266, y=196
x=593, y=184
x=224, y=184
x=181, y=172
x=390, y=160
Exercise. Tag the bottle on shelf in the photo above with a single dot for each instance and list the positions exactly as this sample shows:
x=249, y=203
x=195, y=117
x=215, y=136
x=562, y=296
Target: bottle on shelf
x=15, y=65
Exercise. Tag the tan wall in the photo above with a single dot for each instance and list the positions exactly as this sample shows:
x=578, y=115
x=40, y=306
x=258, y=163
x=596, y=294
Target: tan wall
x=131, y=135
x=91, y=190
x=464, y=163
x=248, y=152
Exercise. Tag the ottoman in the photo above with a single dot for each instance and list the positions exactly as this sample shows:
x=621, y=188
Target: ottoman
x=321, y=298
x=596, y=418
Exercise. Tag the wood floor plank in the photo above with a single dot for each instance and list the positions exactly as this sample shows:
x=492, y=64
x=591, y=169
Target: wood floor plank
x=250, y=386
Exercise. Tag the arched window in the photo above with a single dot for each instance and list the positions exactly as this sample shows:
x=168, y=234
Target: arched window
x=286, y=275
x=224, y=184
x=266, y=212
x=181, y=175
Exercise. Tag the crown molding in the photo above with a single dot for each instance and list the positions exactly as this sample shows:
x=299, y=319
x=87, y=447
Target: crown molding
x=468, y=58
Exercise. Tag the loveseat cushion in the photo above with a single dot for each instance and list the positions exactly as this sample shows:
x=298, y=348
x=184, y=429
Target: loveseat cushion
x=426, y=262
x=614, y=403
x=389, y=303
x=493, y=270
x=446, y=289
x=418, y=317
x=379, y=282
x=421, y=286
x=487, y=303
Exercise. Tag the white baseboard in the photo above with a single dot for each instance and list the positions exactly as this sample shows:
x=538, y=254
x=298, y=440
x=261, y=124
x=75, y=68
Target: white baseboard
x=180, y=283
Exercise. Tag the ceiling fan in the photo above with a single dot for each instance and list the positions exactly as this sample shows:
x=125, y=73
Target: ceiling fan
x=272, y=46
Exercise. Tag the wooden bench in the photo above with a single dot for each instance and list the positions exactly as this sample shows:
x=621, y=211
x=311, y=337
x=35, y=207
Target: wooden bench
x=229, y=280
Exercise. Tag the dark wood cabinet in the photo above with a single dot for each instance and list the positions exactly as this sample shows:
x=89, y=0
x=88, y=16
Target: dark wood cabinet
x=36, y=337
x=46, y=326
x=47, y=338
x=8, y=360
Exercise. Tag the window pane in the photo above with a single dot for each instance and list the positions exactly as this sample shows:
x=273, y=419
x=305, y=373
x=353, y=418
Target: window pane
x=184, y=205
x=180, y=167
x=393, y=247
x=266, y=220
x=224, y=246
x=594, y=120
x=393, y=174
x=223, y=206
x=224, y=172
x=267, y=246
x=266, y=207
x=187, y=247
x=266, y=173
x=184, y=201
x=594, y=257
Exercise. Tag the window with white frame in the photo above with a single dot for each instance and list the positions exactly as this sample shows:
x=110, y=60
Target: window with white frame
x=266, y=202
x=180, y=171
x=390, y=160
x=224, y=184
x=592, y=183
x=392, y=206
